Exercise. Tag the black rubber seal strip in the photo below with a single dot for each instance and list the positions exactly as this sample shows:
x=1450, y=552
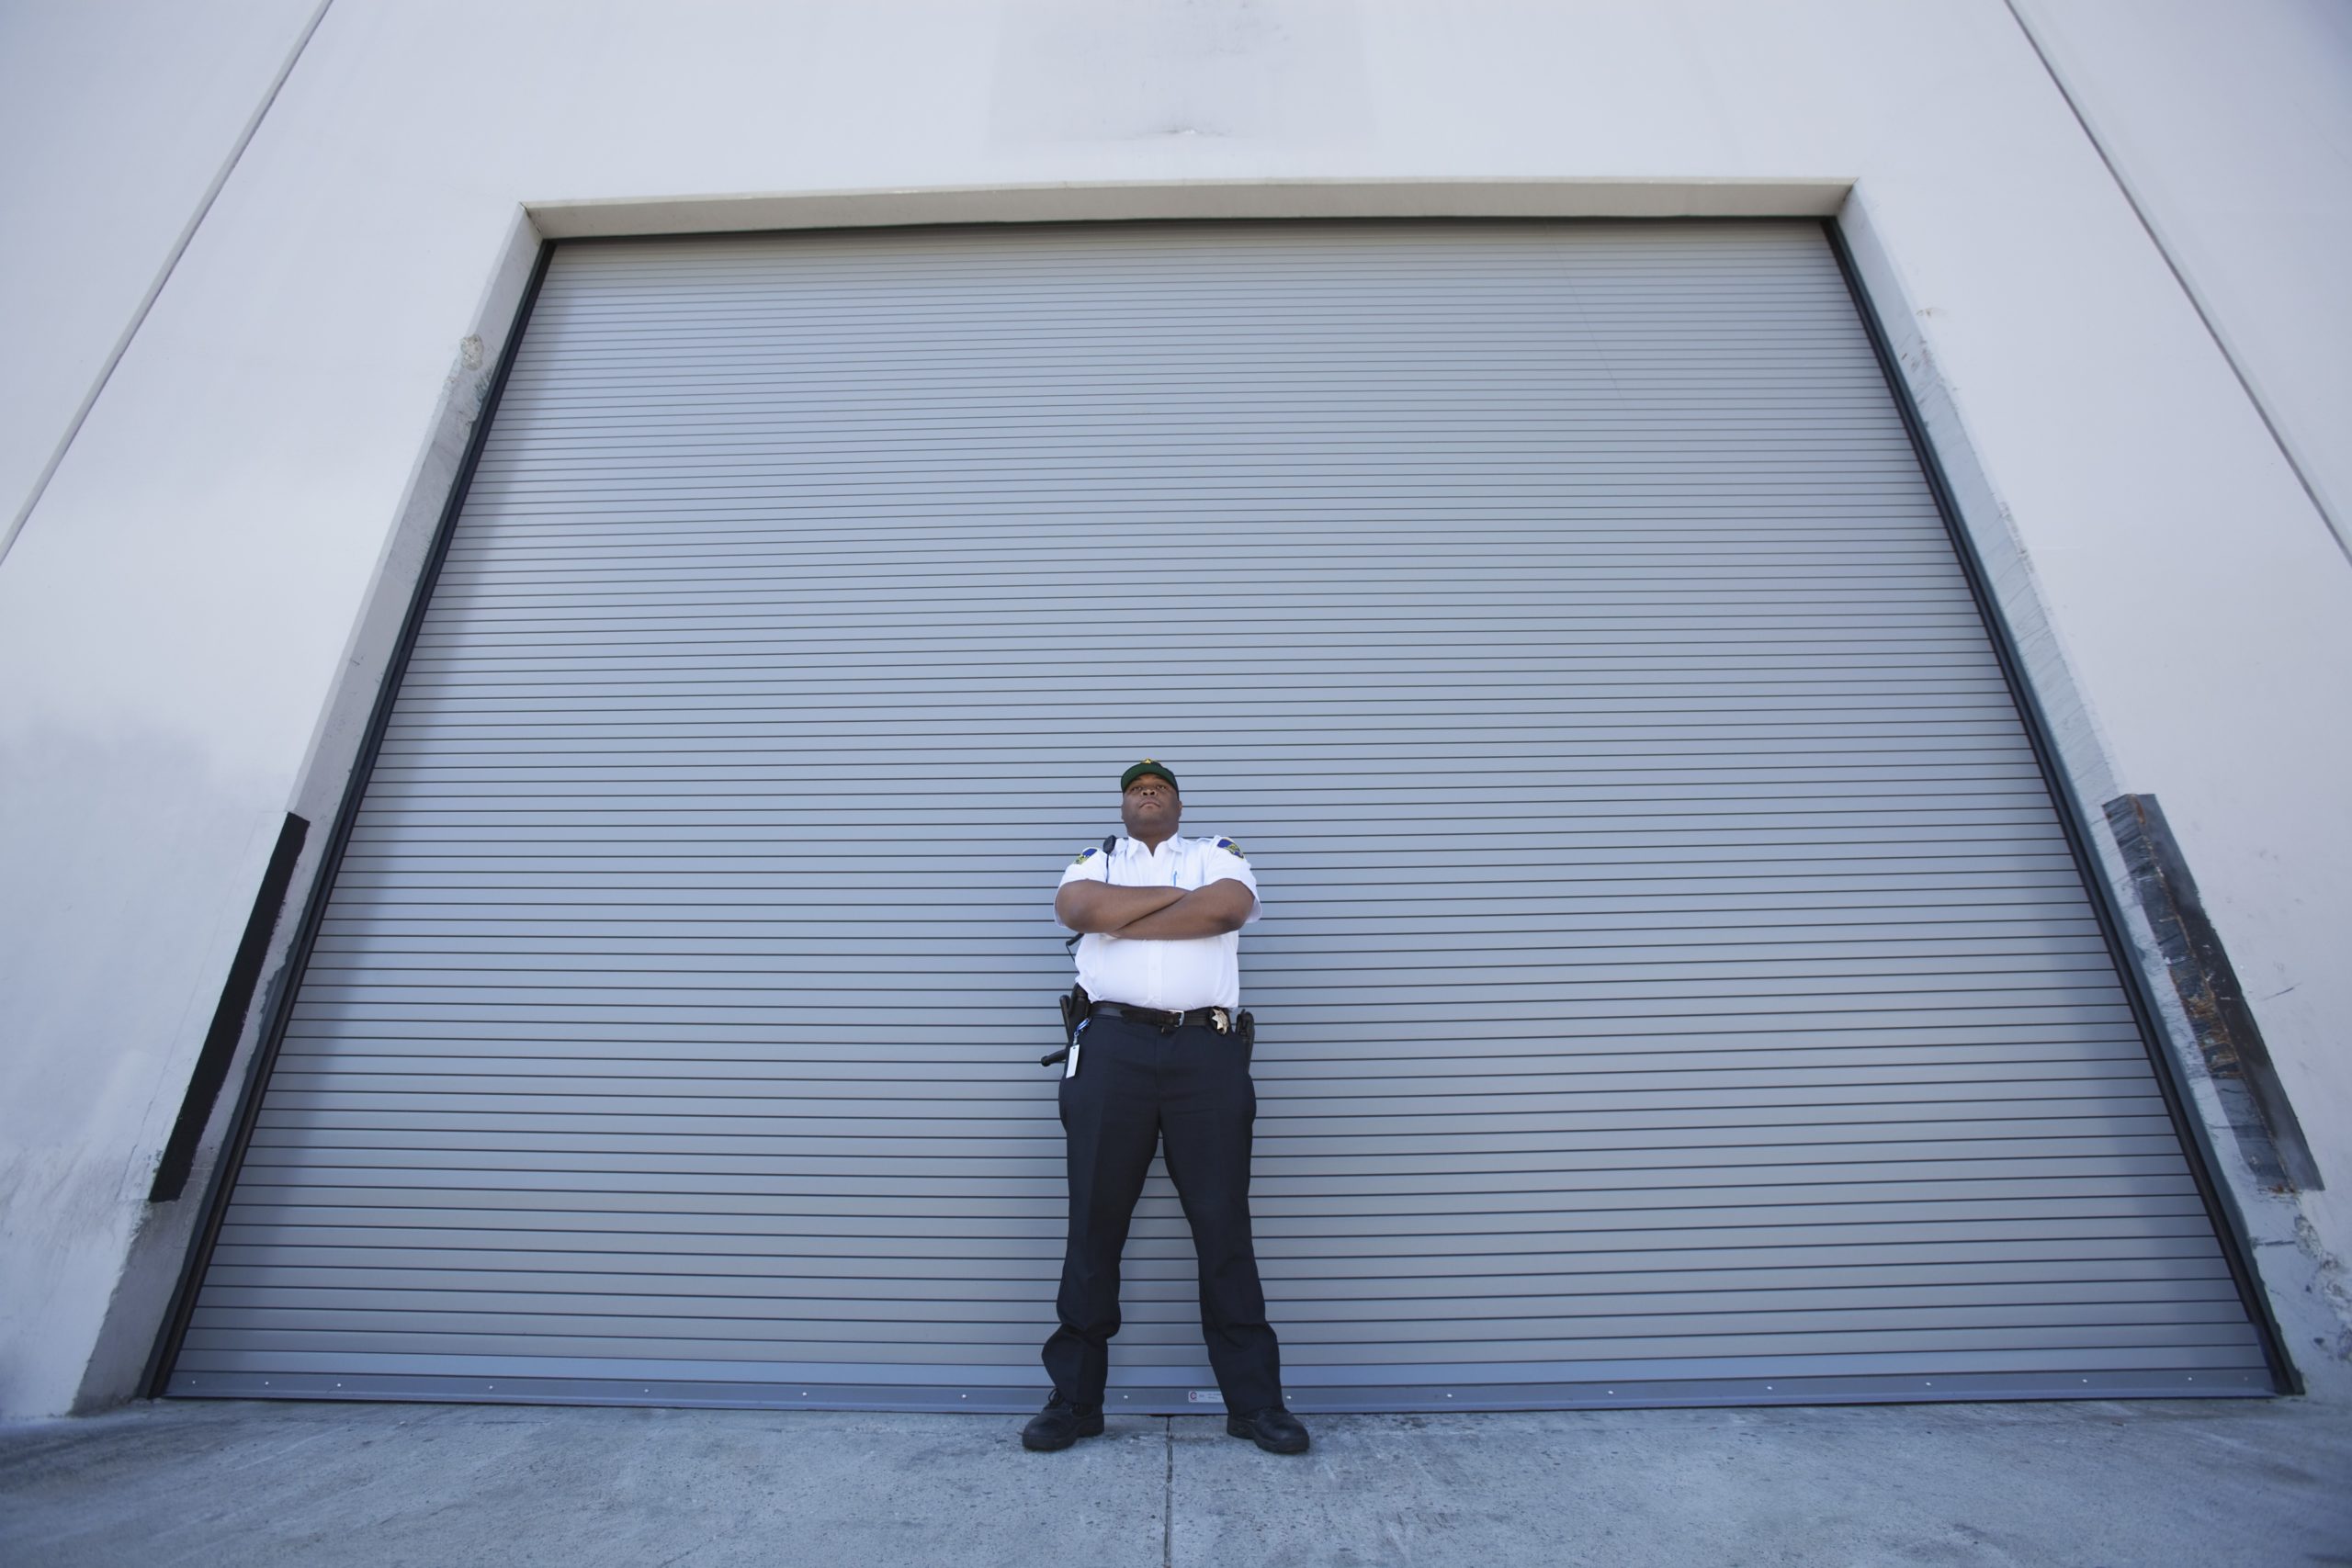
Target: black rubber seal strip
x=228, y=1017
x=2202, y=1159
x=223, y=1180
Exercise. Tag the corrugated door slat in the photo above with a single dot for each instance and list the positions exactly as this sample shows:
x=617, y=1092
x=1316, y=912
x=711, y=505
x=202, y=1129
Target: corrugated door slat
x=1675, y=985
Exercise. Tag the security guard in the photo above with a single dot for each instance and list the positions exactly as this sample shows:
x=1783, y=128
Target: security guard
x=1160, y=1057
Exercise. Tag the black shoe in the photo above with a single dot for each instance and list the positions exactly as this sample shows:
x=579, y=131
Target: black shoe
x=1274, y=1430
x=1060, y=1424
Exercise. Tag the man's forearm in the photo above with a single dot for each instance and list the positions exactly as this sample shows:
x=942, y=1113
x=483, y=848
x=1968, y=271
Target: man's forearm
x=1097, y=907
x=1219, y=908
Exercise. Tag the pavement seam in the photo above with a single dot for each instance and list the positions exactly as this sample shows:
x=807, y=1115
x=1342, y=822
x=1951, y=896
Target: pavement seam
x=1168, y=1496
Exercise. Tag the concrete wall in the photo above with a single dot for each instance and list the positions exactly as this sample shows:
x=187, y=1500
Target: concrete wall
x=115, y=120
x=196, y=612
x=119, y=119
x=2231, y=128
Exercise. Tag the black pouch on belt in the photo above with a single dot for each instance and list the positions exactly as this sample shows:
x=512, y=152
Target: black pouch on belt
x=1076, y=1005
x=1244, y=1026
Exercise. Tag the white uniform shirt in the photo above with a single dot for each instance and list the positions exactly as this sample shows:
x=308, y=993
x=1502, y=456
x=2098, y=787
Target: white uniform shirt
x=1171, y=975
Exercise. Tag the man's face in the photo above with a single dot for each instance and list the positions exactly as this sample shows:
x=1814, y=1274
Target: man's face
x=1151, y=808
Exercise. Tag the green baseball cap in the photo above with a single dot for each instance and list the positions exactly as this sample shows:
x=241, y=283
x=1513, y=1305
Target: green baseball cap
x=1144, y=767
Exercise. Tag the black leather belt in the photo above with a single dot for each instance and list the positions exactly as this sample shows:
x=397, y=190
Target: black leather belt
x=1219, y=1018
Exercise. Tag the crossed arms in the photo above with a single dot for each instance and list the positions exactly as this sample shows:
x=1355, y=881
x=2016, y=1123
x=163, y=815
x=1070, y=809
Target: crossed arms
x=1166, y=913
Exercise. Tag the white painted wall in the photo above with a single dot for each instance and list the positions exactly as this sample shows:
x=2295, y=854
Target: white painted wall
x=116, y=118
x=2231, y=126
x=179, y=614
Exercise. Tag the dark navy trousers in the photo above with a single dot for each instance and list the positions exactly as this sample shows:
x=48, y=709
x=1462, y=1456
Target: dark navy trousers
x=1189, y=1090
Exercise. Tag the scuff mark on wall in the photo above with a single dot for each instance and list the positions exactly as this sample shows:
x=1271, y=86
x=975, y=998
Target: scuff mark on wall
x=467, y=386
x=2333, y=1285
x=2262, y=1119
x=1286, y=72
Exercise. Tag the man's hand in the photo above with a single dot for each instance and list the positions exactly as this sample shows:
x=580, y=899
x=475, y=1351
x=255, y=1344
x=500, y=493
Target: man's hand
x=1099, y=906
x=1221, y=907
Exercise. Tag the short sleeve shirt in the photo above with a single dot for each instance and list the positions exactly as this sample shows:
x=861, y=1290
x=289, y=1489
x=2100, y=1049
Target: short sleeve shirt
x=1171, y=975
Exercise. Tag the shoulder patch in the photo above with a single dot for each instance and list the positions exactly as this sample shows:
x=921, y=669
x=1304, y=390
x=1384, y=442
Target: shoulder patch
x=1230, y=847
x=1087, y=854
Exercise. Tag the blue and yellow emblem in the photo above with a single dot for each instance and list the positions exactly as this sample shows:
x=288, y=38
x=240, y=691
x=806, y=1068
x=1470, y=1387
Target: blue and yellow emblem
x=1088, y=853
x=1230, y=847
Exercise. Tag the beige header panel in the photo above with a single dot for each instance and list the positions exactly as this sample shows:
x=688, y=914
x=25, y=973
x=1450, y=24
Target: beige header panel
x=1191, y=198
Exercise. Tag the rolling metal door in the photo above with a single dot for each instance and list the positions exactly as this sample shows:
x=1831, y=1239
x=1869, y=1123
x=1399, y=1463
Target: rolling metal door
x=1676, y=986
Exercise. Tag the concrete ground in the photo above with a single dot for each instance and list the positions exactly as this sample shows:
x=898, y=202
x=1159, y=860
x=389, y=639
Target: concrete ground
x=258, y=1485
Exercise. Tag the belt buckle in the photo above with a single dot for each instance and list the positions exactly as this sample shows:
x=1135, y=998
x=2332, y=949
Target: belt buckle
x=1221, y=1020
